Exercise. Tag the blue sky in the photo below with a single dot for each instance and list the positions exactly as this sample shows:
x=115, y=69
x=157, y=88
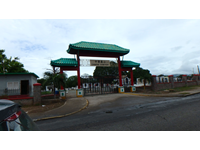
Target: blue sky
x=164, y=46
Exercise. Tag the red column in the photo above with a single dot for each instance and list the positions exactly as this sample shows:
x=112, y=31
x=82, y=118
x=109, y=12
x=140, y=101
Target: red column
x=131, y=74
x=120, y=71
x=78, y=72
x=61, y=72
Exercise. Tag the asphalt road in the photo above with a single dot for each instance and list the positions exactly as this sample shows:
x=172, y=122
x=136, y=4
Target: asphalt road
x=164, y=114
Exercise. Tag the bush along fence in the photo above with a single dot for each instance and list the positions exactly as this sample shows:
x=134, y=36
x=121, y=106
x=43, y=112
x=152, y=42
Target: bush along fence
x=161, y=83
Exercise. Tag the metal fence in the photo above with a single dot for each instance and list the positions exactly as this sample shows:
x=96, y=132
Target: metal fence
x=100, y=90
x=97, y=85
x=9, y=92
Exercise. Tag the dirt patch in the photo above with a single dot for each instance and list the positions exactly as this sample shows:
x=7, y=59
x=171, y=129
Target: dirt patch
x=43, y=107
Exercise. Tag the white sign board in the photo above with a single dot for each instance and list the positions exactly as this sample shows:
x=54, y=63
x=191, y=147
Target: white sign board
x=102, y=63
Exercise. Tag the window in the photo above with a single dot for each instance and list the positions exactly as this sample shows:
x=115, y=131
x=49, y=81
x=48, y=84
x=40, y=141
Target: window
x=13, y=85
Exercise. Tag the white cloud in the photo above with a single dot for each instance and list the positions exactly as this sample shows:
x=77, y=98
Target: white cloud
x=162, y=46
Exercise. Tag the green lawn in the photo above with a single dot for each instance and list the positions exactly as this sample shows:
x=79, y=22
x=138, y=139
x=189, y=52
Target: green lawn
x=185, y=88
x=46, y=92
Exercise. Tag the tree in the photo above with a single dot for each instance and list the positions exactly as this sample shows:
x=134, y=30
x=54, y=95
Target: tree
x=14, y=66
x=72, y=81
x=146, y=76
x=111, y=71
x=55, y=79
x=41, y=81
x=142, y=74
x=2, y=61
x=10, y=65
x=85, y=75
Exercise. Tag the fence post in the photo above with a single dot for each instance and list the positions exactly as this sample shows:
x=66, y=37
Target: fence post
x=36, y=93
x=171, y=80
x=153, y=83
x=184, y=79
x=195, y=78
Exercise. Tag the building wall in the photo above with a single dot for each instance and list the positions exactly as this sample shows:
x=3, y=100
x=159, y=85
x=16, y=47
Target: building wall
x=17, y=78
x=157, y=85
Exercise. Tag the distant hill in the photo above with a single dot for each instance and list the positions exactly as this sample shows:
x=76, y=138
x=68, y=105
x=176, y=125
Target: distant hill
x=176, y=75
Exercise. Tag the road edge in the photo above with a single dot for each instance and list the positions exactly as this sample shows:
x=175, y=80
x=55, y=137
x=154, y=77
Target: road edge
x=162, y=95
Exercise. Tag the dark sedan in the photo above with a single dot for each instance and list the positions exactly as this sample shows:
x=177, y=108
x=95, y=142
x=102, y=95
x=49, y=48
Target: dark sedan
x=13, y=118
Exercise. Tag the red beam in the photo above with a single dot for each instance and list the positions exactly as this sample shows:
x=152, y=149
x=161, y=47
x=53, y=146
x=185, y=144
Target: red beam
x=70, y=68
x=131, y=74
x=120, y=72
x=99, y=54
x=61, y=72
x=78, y=72
x=126, y=69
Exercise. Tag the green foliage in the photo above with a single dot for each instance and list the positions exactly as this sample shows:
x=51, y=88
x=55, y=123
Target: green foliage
x=45, y=92
x=142, y=74
x=111, y=71
x=180, y=76
x=146, y=75
x=55, y=79
x=160, y=75
x=41, y=81
x=72, y=81
x=10, y=65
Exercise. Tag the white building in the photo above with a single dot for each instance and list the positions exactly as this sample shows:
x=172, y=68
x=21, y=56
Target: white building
x=17, y=83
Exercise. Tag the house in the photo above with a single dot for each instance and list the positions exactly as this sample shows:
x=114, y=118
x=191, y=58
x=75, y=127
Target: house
x=17, y=83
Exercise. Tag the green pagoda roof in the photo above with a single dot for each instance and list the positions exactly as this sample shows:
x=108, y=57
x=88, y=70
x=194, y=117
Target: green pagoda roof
x=64, y=62
x=23, y=73
x=127, y=63
x=96, y=47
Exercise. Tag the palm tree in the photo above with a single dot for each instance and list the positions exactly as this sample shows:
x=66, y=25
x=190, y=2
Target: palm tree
x=53, y=77
x=14, y=66
x=146, y=76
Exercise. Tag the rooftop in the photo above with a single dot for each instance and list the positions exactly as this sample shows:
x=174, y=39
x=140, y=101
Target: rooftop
x=127, y=63
x=89, y=47
x=24, y=73
x=64, y=62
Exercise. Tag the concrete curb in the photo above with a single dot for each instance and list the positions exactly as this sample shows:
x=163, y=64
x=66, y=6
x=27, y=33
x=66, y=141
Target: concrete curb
x=47, y=118
x=151, y=95
x=191, y=94
x=163, y=95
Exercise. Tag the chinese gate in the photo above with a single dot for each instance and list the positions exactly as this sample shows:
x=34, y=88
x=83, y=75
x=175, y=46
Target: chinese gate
x=92, y=49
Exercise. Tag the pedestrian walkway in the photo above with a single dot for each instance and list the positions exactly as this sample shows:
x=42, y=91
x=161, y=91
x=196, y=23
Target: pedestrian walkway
x=71, y=106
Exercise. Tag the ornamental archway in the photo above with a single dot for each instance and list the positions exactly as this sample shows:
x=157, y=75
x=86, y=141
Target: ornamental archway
x=92, y=49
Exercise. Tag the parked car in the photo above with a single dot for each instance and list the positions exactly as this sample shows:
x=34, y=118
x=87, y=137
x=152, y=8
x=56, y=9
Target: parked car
x=13, y=118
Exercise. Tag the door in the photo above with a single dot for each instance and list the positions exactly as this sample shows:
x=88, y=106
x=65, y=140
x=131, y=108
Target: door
x=24, y=87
